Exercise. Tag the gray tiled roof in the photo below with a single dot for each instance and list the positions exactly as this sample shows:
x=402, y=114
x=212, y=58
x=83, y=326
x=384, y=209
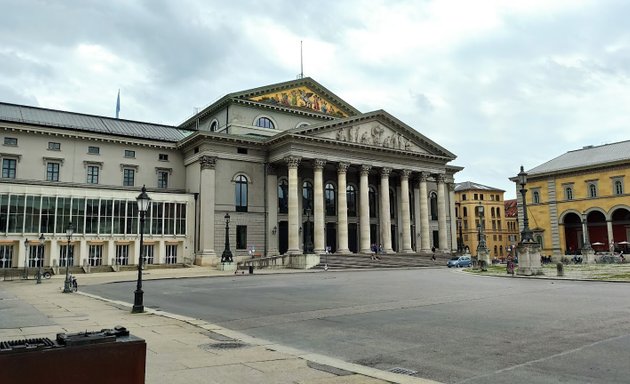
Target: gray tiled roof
x=586, y=157
x=469, y=185
x=91, y=123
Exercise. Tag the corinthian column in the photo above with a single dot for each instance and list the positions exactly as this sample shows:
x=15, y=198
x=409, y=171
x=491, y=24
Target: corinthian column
x=386, y=221
x=406, y=215
x=364, y=209
x=342, y=209
x=425, y=241
x=294, y=214
x=442, y=213
x=206, y=255
x=318, y=201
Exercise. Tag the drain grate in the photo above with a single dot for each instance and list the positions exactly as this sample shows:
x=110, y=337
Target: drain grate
x=233, y=345
x=403, y=371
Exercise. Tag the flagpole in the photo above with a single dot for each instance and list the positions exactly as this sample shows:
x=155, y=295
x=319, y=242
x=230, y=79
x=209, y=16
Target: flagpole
x=118, y=103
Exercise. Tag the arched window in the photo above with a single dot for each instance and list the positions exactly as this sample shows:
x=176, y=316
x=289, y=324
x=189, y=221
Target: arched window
x=568, y=193
x=465, y=212
x=213, y=126
x=492, y=212
x=618, y=187
x=434, y=208
x=264, y=122
x=495, y=250
x=307, y=196
x=501, y=250
x=536, y=197
x=351, y=197
x=392, y=204
x=241, y=193
x=283, y=196
x=499, y=213
x=329, y=197
x=592, y=190
x=372, y=197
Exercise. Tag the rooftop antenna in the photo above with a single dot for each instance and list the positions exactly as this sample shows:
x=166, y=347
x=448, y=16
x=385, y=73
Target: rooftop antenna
x=301, y=75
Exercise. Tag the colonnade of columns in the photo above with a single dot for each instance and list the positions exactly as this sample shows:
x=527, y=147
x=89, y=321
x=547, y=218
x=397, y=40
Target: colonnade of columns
x=294, y=213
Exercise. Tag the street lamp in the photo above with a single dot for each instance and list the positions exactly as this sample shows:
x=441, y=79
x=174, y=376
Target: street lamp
x=67, y=284
x=143, y=204
x=527, y=235
x=309, y=244
x=460, y=239
x=482, y=236
x=40, y=258
x=25, y=259
x=226, y=257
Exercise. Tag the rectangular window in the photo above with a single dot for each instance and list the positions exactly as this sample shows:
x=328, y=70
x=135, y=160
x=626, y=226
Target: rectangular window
x=171, y=254
x=162, y=181
x=163, y=157
x=10, y=141
x=242, y=151
x=128, y=177
x=94, y=150
x=49, y=208
x=148, y=254
x=180, y=221
x=52, y=172
x=91, y=216
x=122, y=254
x=241, y=237
x=35, y=255
x=95, y=255
x=106, y=216
x=132, y=218
x=130, y=154
x=6, y=256
x=66, y=253
x=92, y=174
x=53, y=146
x=9, y=167
x=476, y=196
x=169, y=218
x=119, y=217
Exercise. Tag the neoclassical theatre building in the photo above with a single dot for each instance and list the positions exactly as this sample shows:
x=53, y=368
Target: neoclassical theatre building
x=294, y=167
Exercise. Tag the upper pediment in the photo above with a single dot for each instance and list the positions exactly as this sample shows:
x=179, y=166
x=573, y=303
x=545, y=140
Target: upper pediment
x=301, y=94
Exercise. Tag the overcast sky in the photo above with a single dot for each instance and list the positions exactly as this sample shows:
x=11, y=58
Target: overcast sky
x=498, y=83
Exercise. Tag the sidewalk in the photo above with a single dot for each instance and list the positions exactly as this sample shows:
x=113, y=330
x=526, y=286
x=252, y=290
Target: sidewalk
x=180, y=350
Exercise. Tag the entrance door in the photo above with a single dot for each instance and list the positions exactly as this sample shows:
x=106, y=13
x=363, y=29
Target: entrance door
x=352, y=238
x=283, y=237
x=374, y=234
x=436, y=239
x=331, y=236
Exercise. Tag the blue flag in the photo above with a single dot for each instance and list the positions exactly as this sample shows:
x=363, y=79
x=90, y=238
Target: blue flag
x=118, y=104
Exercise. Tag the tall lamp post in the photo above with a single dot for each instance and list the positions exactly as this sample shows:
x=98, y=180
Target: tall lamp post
x=527, y=235
x=67, y=284
x=482, y=237
x=25, y=259
x=226, y=257
x=40, y=258
x=143, y=204
x=308, y=247
x=460, y=240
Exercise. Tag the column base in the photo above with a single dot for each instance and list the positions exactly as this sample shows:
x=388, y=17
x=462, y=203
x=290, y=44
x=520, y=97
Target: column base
x=206, y=258
x=408, y=251
x=343, y=252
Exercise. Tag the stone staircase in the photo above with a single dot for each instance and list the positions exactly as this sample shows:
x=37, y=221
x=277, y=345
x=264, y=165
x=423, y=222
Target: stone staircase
x=397, y=260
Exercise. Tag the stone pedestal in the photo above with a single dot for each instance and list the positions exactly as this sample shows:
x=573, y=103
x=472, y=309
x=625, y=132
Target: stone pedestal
x=588, y=255
x=529, y=259
x=206, y=259
x=483, y=258
x=227, y=266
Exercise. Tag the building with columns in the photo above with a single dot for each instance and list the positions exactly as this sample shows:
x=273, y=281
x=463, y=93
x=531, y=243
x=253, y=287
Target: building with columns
x=578, y=196
x=296, y=168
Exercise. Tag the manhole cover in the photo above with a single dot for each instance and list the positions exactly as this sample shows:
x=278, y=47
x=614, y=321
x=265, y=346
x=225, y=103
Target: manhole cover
x=222, y=346
x=403, y=371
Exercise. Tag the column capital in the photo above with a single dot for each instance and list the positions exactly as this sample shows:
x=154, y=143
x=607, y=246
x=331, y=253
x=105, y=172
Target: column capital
x=405, y=173
x=342, y=167
x=451, y=187
x=440, y=178
x=208, y=162
x=293, y=161
x=385, y=172
x=423, y=177
x=365, y=170
x=319, y=163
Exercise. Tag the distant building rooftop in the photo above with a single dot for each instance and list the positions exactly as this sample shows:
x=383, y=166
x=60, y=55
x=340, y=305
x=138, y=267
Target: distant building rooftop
x=469, y=186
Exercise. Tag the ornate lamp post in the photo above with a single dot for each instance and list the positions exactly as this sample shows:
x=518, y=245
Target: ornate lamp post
x=527, y=235
x=226, y=257
x=482, y=237
x=25, y=259
x=144, y=201
x=308, y=247
x=67, y=284
x=460, y=239
x=40, y=258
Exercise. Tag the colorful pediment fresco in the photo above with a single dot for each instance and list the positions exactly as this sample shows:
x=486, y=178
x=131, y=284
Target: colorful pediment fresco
x=302, y=98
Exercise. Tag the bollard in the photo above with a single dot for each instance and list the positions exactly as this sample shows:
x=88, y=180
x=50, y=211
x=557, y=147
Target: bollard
x=560, y=269
x=251, y=269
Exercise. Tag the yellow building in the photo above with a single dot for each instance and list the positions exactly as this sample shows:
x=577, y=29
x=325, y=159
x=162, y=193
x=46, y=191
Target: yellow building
x=469, y=197
x=581, y=190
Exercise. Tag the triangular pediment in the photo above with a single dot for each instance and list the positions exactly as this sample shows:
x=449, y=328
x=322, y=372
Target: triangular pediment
x=378, y=129
x=305, y=95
